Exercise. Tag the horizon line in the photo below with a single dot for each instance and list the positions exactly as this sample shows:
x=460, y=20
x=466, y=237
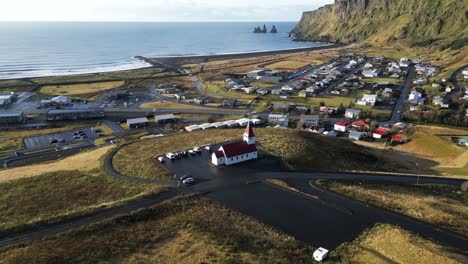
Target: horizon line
x=146, y=21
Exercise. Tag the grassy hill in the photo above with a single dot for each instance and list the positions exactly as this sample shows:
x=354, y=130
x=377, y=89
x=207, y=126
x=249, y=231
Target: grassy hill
x=442, y=23
x=299, y=150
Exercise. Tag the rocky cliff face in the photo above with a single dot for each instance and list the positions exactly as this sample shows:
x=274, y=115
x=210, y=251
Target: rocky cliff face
x=439, y=22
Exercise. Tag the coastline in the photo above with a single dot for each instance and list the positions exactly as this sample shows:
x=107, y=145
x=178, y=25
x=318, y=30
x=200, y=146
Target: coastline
x=184, y=59
x=178, y=60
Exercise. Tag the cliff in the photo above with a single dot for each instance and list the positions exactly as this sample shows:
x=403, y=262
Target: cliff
x=416, y=22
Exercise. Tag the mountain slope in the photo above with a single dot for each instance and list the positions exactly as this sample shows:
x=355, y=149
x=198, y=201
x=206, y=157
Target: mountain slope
x=416, y=22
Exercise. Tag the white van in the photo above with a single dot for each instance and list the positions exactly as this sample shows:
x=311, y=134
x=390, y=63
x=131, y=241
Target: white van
x=171, y=156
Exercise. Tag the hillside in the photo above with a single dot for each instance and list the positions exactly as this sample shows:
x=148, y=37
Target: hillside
x=416, y=23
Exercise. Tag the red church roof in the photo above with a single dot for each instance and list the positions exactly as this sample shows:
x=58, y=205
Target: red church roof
x=219, y=154
x=249, y=131
x=238, y=148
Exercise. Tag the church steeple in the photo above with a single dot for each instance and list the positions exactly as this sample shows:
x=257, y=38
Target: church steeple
x=249, y=135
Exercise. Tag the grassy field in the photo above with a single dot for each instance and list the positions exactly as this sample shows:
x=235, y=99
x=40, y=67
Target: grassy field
x=77, y=90
x=288, y=65
x=391, y=244
x=186, y=230
x=432, y=142
x=13, y=139
x=444, y=206
x=299, y=150
x=84, y=162
x=217, y=87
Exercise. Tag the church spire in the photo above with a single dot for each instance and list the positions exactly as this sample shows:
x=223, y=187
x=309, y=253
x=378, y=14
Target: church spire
x=249, y=135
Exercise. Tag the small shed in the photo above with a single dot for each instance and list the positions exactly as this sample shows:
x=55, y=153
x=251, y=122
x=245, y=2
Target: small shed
x=356, y=135
x=137, y=122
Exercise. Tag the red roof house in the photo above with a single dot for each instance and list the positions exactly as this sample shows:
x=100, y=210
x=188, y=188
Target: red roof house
x=381, y=132
x=361, y=123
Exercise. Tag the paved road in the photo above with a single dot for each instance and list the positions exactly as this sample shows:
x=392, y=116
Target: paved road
x=453, y=78
x=114, y=126
x=320, y=218
x=399, y=106
x=110, y=111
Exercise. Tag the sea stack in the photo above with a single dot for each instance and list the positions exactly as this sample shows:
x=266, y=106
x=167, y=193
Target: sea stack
x=274, y=30
x=264, y=29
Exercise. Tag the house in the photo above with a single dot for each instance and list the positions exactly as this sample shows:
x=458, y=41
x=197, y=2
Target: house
x=262, y=91
x=137, y=122
x=61, y=100
x=181, y=96
x=380, y=132
x=309, y=120
x=404, y=62
x=415, y=98
x=371, y=73
x=270, y=79
x=368, y=66
x=164, y=119
x=287, y=89
x=327, y=110
x=443, y=102
x=284, y=96
x=341, y=126
x=255, y=74
x=367, y=99
x=398, y=139
x=249, y=90
x=303, y=94
x=282, y=120
x=202, y=100
x=302, y=109
x=237, y=152
x=360, y=124
x=400, y=125
x=312, y=89
x=387, y=92
x=276, y=91
x=12, y=118
x=352, y=113
x=6, y=99
x=356, y=135
x=279, y=107
x=229, y=103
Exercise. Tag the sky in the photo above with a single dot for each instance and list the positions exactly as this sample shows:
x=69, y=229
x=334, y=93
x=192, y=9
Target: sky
x=156, y=10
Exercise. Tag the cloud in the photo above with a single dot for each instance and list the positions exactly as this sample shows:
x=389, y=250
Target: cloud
x=156, y=10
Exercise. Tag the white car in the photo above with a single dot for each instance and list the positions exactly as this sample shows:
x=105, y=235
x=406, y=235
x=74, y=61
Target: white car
x=192, y=152
x=171, y=156
x=161, y=159
x=197, y=149
x=188, y=181
x=208, y=148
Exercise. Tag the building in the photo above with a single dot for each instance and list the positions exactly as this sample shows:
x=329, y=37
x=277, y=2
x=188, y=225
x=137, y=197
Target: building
x=74, y=114
x=230, y=103
x=356, y=135
x=61, y=100
x=164, y=119
x=6, y=99
x=352, y=113
x=442, y=101
x=309, y=120
x=237, y=152
x=202, y=100
x=303, y=94
x=361, y=124
x=387, y=92
x=341, y=126
x=255, y=74
x=371, y=73
x=415, y=98
x=282, y=120
x=137, y=122
x=279, y=107
x=367, y=99
x=12, y=118
x=182, y=96
x=398, y=139
x=380, y=132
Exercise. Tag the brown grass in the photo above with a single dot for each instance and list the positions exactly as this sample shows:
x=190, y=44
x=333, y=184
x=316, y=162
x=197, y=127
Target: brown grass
x=187, y=230
x=299, y=150
x=171, y=105
x=390, y=244
x=85, y=161
x=80, y=89
x=444, y=206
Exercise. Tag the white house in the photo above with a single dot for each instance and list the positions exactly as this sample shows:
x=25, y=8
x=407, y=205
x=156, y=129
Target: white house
x=415, y=98
x=341, y=126
x=404, y=62
x=282, y=120
x=309, y=120
x=352, y=113
x=380, y=132
x=367, y=99
x=237, y=152
x=371, y=73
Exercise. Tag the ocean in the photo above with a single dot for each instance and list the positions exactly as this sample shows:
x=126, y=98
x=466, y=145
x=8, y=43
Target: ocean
x=32, y=49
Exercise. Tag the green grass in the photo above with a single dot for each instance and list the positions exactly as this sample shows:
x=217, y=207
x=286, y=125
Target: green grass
x=54, y=196
x=218, y=88
x=185, y=230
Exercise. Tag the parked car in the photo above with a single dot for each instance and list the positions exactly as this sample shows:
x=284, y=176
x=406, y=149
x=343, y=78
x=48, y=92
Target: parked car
x=171, y=156
x=197, y=150
x=183, y=178
x=161, y=159
x=208, y=148
x=53, y=141
x=192, y=152
x=61, y=140
x=188, y=181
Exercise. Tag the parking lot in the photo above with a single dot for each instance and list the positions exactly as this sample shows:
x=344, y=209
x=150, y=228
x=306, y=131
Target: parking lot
x=64, y=138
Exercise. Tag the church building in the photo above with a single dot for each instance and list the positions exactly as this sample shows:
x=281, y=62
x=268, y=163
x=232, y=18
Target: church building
x=237, y=152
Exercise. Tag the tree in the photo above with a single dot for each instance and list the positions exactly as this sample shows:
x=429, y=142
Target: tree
x=322, y=103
